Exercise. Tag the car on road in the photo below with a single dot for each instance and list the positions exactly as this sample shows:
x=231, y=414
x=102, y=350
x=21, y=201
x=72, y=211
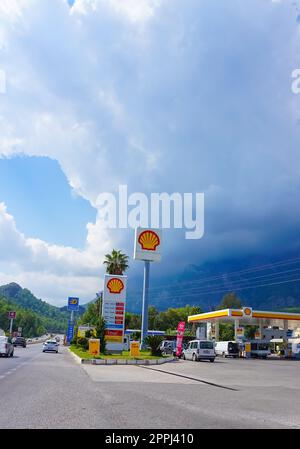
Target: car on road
x=199, y=350
x=50, y=345
x=19, y=341
x=6, y=346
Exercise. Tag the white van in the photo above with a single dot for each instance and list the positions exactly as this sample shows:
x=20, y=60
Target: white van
x=6, y=346
x=294, y=347
x=199, y=350
x=227, y=348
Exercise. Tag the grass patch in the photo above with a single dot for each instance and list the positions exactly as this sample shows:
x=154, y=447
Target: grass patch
x=83, y=354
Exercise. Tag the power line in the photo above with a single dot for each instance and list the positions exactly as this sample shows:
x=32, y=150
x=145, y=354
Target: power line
x=232, y=273
x=278, y=274
x=227, y=290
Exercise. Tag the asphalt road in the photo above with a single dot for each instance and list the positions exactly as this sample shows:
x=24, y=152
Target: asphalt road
x=48, y=390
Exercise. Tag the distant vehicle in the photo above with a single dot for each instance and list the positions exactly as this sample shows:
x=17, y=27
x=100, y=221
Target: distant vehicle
x=57, y=338
x=199, y=350
x=227, y=348
x=168, y=346
x=36, y=338
x=294, y=347
x=259, y=349
x=6, y=346
x=50, y=345
x=19, y=341
x=29, y=340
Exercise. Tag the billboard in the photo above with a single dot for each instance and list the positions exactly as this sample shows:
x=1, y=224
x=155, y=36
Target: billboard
x=70, y=332
x=113, y=310
x=73, y=304
x=147, y=244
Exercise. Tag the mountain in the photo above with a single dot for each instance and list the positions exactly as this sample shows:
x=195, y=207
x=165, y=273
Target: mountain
x=54, y=319
x=32, y=323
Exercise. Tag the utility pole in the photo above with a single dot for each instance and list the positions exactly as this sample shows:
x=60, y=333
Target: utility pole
x=100, y=297
x=144, y=332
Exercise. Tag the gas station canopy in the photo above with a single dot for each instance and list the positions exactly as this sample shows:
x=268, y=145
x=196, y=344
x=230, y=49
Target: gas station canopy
x=245, y=316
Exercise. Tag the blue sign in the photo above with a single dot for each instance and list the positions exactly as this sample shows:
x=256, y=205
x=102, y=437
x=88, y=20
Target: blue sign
x=73, y=304
x=70, y=333
x=114, y=326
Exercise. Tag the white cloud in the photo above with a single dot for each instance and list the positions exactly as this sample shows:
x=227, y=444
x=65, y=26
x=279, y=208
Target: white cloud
x=162, y=96
x=22, y=256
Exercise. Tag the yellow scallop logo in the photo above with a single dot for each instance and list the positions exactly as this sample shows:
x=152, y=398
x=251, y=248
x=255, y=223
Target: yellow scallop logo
x=247, y=311
x=115, y=285
x=149, y=240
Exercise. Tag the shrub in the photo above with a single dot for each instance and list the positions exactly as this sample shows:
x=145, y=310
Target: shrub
x=154, y=341
x=83, y=342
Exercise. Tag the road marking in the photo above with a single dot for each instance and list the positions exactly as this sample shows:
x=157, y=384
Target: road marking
x=188, y=377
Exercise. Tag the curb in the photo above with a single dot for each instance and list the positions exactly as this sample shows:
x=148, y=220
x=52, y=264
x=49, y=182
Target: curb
x=110, y=362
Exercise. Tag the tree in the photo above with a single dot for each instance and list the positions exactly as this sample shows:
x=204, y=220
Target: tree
x=116, y=262
x=91, y=316
x=230, y=301
x=154, y=341
x=152, y=317
x=226, y=332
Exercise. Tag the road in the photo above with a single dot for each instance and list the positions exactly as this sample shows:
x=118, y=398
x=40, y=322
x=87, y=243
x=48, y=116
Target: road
x=48, y=390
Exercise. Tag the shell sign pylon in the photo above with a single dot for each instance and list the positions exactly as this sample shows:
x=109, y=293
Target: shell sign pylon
x=147, y=244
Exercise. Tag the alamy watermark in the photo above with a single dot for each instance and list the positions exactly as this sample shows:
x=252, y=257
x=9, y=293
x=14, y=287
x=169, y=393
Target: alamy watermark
x=296, y=81
x=2, y=82
x=158, y=210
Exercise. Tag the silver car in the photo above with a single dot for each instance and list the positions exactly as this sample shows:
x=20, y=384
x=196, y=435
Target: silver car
x=6, y=346
x=199, y=350
x=50, y=345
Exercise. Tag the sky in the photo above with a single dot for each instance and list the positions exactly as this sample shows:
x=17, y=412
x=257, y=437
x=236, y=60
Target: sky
x=160, y=95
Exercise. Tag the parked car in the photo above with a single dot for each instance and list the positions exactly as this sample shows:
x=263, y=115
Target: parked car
x=50, y=345
x=168, y=346
x=227, y=348
x=199, y=350
x=6, y=346
x=19, y=341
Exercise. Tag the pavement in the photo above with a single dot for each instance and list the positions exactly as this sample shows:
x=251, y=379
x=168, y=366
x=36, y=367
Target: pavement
x=48, y=390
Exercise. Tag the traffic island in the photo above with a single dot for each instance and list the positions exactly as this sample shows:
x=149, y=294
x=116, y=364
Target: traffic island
x=85, y=358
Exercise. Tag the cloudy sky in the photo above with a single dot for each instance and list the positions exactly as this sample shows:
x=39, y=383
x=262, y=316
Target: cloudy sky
x=160, y=95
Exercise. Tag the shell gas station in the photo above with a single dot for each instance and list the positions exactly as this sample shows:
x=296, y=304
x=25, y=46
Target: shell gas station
x=272, y=328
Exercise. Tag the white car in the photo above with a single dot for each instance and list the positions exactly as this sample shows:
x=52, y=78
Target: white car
x=50, y=345
x=6, y=346
x=199, y=350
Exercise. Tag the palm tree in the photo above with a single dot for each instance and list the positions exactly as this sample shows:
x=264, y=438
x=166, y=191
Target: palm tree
x=116, y=262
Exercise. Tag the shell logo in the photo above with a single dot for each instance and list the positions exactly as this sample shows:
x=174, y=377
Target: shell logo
x=115, y=285
x=149, y=240
x=247, y=311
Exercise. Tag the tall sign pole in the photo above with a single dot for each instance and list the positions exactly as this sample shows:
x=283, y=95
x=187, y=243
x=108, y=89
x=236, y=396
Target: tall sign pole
x=73, y=306
x=147, y=247
x=144, y=332
x=113, y=310
x=11, y=316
